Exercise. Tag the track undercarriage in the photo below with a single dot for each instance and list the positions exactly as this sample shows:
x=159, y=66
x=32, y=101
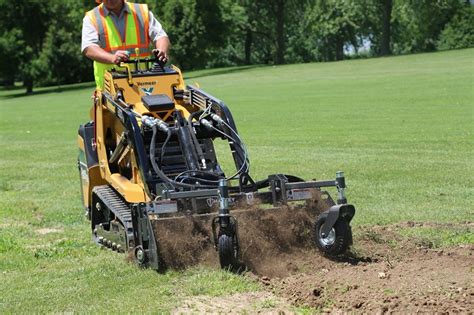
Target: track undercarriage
x=152, y=184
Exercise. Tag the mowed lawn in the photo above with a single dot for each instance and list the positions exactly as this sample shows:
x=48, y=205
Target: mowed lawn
x=401, y=128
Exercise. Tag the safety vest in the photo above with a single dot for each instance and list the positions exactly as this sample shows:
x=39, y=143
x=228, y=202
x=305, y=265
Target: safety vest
x=111, y=40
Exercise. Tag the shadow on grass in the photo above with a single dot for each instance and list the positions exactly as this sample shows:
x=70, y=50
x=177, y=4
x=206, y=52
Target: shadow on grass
x=18, y=92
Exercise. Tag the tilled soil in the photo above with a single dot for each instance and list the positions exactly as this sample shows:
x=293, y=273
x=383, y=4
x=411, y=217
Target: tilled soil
x=389, y=274
x=383, y=272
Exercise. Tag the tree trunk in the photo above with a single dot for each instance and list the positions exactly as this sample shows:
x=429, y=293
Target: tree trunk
x=386, y=28
x=28, y=84
x=248, y=47
x=339, y=48
x=280, y=29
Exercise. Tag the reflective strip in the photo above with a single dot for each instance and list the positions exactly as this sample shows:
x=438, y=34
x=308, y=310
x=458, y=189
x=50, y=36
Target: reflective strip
x=146, y=17
x=101, y=27
x=137, y=23
x=115, y=38
x=112, y=40
x=93, y=19
x=140, y=20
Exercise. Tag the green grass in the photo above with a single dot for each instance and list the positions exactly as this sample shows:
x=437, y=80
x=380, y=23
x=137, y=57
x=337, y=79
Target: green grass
x=401, y=128
x=440, y=236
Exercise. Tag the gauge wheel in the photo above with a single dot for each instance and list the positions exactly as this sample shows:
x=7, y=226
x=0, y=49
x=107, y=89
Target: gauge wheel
x=227, y=252
x=337, y=241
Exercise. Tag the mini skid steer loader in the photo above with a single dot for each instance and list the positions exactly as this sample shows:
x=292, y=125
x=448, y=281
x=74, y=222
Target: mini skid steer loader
x=152, y=185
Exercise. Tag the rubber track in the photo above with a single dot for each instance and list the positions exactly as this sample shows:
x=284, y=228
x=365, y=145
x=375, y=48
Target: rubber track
x=117, y=206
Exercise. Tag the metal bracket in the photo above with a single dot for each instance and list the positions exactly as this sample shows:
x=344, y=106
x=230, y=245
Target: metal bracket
x=278, y=188
x=345, y=211
x=143, y=235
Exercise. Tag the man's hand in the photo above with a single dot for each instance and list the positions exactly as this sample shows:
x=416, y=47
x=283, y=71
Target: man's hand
x=161, y=55
x=119, y=56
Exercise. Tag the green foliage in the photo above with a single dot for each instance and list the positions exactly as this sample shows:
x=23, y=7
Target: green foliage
x=459, y=32
x=195, y=28
x=418, y=23
x=40, y=40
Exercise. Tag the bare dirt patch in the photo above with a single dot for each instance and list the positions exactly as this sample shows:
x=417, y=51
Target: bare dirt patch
x=241, y=303
x=383, y=272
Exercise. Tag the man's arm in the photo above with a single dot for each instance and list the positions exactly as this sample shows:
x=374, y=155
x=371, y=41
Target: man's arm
x=98, y=54
x=158, y=35
x=162, y=46
x=91, y=48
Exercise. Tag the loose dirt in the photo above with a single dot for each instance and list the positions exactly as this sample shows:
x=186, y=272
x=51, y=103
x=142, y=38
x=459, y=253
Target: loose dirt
x=383, y=272
x=188, y=241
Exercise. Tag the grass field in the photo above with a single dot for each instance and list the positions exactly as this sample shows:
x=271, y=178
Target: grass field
x=401, y=128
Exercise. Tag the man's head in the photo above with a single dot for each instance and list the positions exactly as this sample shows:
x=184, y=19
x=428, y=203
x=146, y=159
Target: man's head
x=112, y=4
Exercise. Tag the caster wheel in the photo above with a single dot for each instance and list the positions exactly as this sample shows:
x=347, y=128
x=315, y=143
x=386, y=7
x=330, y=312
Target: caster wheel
x=228, y=253
x=338, y=239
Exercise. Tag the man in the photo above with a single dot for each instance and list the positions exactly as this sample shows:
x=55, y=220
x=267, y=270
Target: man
x=114, y=29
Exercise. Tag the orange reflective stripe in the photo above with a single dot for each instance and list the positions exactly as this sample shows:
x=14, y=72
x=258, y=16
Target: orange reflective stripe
x=141, y=20
x=144, y=13
x=91, y=16
x=137, y=24
x=106, y=33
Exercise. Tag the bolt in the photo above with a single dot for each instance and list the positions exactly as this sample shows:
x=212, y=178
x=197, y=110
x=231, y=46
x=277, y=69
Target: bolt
x=119, y=248
x=114, y=245
x=101, y=239
x=98, y=206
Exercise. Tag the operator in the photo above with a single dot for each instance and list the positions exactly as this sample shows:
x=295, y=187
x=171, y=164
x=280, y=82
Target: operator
x=114, y=29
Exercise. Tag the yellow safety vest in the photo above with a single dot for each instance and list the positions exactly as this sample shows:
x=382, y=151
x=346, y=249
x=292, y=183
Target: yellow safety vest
x=136, y=35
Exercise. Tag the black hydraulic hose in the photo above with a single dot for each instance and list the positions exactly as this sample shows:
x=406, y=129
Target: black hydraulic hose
x=245, y=164
x=193, y=136
x=162, y=155
x=160, y=172
x=265, y=182
x=183, y=174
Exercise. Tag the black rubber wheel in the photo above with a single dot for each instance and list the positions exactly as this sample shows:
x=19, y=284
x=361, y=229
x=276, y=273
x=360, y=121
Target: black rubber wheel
x=338, y=240
x=227, y=252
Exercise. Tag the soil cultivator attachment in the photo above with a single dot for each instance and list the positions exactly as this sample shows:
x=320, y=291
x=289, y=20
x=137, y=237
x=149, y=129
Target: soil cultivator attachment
x=152, y=185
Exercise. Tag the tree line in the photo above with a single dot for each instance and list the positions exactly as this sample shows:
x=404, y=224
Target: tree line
x=40, y=40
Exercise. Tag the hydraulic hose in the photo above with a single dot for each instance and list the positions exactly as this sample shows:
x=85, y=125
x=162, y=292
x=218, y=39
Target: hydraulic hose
x=159, y=172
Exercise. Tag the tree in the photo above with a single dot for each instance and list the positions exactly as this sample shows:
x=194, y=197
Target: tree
x=38, y=32
x=417, y=24
x=459, y=32
x=196, y=30
x=11, y=45
x=336, y=23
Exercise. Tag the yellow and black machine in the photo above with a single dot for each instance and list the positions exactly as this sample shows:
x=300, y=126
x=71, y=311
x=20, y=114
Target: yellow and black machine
x=152, y=185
